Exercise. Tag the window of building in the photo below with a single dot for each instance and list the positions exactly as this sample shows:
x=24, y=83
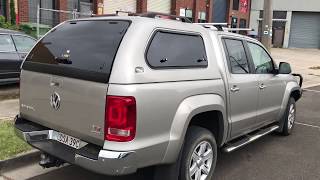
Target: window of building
x=237, y=57
x=202, y=17
x=176, y=51
x=189, y=14
x=235, y=5
x=279, y=14
x=243, y=23
x=276, y=14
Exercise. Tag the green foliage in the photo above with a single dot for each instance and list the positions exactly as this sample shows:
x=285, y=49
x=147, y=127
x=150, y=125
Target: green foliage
x=10, y=144
x=26, y=28
x=7, y=25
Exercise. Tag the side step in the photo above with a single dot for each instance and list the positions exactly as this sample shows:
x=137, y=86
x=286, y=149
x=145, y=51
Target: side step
x=250, y=138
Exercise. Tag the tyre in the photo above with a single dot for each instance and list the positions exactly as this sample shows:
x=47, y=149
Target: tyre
x=196, y=161
x=289, y=117
x=199, y=155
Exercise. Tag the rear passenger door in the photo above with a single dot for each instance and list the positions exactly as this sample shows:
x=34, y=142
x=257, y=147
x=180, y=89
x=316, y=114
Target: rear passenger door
x=271, y=86
x=242, y=88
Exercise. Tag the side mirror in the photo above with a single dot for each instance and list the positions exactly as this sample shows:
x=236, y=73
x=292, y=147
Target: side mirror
x=284, y=68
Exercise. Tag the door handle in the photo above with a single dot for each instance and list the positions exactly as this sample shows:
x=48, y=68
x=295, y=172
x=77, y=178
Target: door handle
x=234, y=89
x=262, y=86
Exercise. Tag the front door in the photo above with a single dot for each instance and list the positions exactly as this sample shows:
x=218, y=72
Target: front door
x=242, y=87
x=271, y=86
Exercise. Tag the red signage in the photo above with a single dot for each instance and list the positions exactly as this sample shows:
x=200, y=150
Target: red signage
x=244, y=6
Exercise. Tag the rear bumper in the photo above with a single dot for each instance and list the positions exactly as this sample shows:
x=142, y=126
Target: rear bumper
x=90, y=157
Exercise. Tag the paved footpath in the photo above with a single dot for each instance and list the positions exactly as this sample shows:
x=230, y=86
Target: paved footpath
x=301, y=60
x=9, y=109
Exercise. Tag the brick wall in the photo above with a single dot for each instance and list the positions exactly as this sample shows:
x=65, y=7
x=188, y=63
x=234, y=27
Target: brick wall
x=23, y=10
x=141, y=6
x=238, y=14
x=62, y=5
x=195, y=5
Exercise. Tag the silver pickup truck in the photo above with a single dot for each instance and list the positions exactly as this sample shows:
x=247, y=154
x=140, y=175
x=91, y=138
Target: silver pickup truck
x=117, y=94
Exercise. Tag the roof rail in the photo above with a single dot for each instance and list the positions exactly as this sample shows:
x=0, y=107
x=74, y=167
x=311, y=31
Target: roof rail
x=164, y=16
x=148, y=14
x=219, y=26
x=238, y=29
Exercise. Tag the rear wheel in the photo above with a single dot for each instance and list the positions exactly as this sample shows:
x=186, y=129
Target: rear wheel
x=199, y=155
x=196, y=161
x=289, y=117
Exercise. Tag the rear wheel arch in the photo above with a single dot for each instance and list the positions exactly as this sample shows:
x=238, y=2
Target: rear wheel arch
x=188, y=110
x=212, y=121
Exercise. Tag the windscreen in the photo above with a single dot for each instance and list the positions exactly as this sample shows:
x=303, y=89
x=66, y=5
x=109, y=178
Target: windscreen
x=79, y=49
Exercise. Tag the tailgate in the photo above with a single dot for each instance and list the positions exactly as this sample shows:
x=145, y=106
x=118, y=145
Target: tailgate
x=78, y=112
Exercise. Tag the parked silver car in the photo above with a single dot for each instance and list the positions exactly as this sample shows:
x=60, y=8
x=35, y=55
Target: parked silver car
x=14, y=46
x=117, y=94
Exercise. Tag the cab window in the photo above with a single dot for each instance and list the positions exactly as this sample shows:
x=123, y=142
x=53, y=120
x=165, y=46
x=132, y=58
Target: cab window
x=263, y=63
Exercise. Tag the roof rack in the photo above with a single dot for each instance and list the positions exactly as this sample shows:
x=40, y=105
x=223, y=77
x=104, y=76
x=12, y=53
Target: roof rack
x=223, y=27
x=218, y=26
x=165, y=16
x=149, y=15
x=238, y=29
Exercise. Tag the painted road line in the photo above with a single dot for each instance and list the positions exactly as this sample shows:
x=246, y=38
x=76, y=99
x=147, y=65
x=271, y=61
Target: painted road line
x=309, y=125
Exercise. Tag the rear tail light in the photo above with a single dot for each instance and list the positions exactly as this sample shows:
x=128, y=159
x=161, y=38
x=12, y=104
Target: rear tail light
x=120, y=118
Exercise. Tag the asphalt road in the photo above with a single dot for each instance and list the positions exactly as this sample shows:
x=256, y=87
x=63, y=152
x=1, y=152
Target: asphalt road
x=296, y=157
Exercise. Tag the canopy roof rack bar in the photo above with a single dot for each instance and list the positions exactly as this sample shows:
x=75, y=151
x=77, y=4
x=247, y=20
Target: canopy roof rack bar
x=149, y=15
x=238, y=29
x=219, y=26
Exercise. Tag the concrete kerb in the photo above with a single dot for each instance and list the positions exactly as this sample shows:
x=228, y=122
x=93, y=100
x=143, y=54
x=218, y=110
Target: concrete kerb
x=19, y=161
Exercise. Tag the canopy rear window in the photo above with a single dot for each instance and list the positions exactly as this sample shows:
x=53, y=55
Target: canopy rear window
x=79, y=49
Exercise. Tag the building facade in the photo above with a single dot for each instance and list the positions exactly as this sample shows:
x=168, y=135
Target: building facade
x=234, y=12
x=296, y=23
x=27, y=10
x=195, y=10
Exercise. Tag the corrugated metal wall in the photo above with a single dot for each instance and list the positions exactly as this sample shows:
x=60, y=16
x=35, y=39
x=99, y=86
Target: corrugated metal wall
x=111, y=6
x=163, y=6
x=305, y=30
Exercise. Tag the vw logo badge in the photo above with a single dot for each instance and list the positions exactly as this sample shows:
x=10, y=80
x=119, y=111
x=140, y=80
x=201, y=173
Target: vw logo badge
x=55, y=101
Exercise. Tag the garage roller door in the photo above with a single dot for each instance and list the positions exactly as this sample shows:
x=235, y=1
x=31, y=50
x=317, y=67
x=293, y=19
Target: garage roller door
x=111, y=6
x=305, y=30
x=163, y=6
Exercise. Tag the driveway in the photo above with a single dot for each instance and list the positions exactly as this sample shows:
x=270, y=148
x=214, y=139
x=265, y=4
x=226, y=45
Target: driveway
x=302, y=61
x=295, y=157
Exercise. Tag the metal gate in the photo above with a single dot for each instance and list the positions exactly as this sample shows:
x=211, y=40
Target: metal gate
x=305, y=30
x=162, y=6
x=111, y=6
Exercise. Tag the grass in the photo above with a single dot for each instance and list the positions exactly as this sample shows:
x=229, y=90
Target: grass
x=10, y=144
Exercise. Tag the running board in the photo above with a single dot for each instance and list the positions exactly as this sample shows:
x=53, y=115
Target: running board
x=250, y=138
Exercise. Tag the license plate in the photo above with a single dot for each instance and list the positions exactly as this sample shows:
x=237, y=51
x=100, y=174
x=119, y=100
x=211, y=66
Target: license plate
x=68, y=140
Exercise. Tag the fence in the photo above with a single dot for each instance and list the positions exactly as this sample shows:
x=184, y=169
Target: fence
x=49, y=18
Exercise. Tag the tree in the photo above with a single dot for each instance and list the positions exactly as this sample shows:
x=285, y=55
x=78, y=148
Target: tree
x=12, y=12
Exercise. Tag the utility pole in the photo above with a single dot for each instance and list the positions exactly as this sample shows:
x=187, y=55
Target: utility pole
x=267, y=24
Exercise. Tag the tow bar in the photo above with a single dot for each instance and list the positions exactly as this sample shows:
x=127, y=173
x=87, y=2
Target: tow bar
x=47, y=161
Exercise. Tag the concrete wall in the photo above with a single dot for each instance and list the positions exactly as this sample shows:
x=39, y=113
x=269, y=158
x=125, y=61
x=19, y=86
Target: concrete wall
x=283, y=5
x=289, y=5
